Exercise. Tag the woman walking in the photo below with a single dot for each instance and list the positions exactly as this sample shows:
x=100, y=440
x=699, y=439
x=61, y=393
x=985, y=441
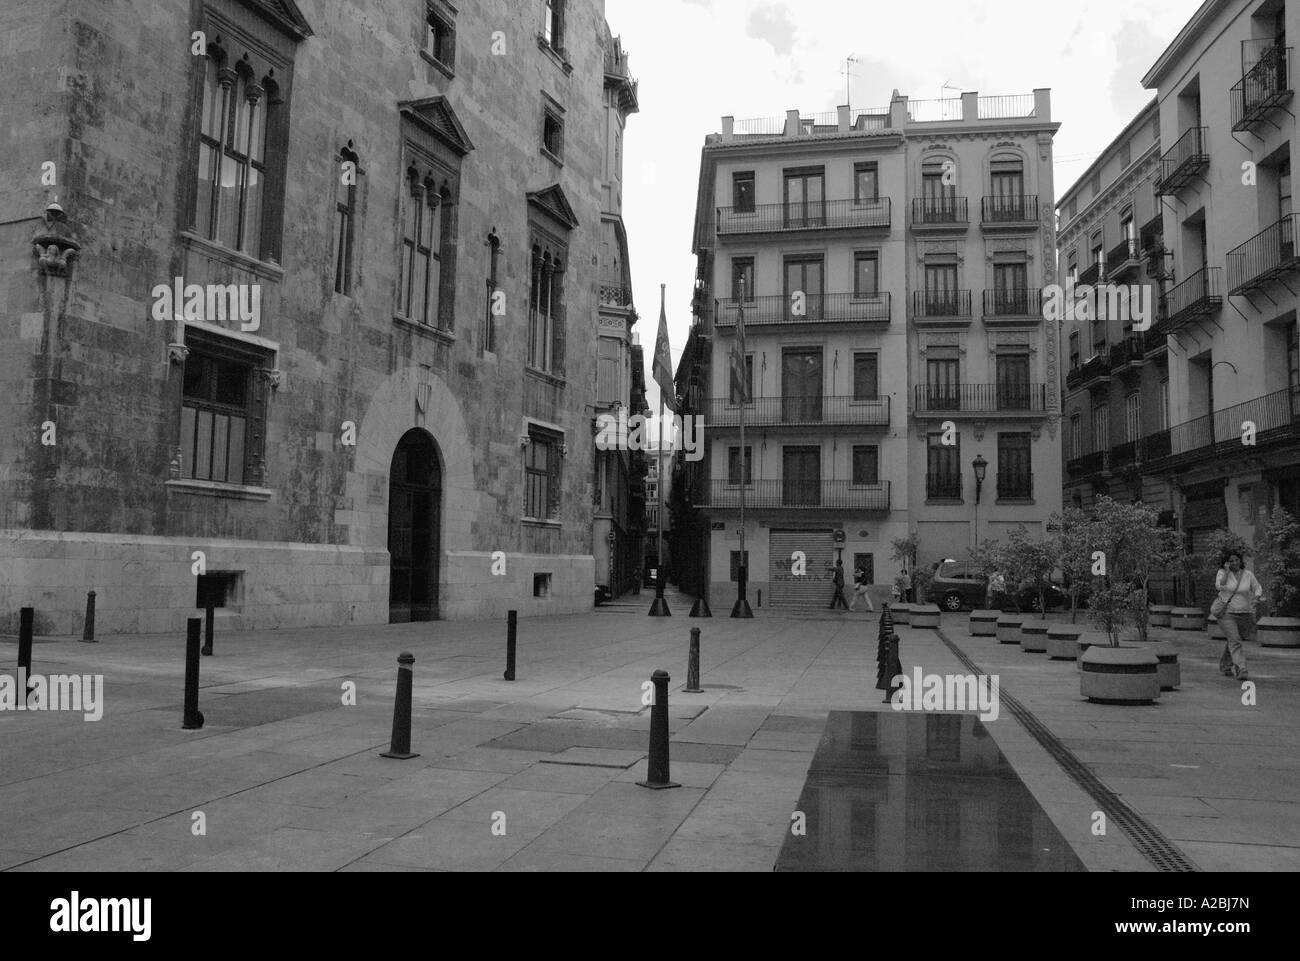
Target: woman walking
x=1239, y=592
x=861, y=591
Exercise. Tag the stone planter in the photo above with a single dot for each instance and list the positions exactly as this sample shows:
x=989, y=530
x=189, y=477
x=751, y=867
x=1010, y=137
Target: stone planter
x=1160, y=615
x=1170, y=674
x=1009, y=628
x=984, y=623
x=926, y=616
x=1120, y=675
x=1033, y=636
x=1216, y=629
x=1089, y=639
x=1187, y=619
x=902, y=613
x=1279, y=632
x=1063, y=642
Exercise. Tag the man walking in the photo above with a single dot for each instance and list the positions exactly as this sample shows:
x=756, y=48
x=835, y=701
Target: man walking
x=861, y=591
x=839, y=587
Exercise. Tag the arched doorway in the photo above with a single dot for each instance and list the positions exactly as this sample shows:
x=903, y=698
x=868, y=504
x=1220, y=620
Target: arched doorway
x=414, y=525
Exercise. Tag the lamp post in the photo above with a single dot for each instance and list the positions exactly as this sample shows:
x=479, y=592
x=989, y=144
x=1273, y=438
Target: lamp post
x=981, y=468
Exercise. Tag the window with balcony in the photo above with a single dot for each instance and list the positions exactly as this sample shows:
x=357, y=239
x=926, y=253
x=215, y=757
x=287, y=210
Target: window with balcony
x=1101, y=427
x=805, y=197
x=1011, y=288
x=939, y=199
x=1015, y=467
x=802, y=385
x=1013, y=381
x=943, y=469
x=805, y=275
x=1008, y=190
x=742, y=279
x=866, y=183
x=866, y=274
x=1133, y=417
x=733, y=466
x=866, y=465
x=743, y=192
x=1074, y=350
x=866, y=376
x=943, y=383
x=1076, y=437
x=941, y=295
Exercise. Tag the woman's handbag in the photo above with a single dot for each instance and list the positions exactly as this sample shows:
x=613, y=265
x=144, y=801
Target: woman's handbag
x=1218, y=607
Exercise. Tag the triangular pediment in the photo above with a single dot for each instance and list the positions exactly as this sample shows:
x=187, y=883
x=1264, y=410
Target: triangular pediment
x=435, y=116
x=284, y=14
x=552, y=202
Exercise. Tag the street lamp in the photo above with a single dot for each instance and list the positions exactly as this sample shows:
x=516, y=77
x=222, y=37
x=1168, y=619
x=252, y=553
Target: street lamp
x=981, y=468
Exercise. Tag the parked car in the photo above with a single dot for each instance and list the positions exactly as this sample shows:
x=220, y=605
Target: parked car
x=959, y=586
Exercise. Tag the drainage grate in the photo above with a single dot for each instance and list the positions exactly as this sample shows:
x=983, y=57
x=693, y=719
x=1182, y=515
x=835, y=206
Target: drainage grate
x=1153, y=845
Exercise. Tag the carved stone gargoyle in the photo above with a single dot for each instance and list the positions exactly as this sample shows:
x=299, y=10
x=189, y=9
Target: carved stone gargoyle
x=54, y=246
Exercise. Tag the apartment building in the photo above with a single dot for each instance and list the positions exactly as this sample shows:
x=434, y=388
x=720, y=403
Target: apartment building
x=420, y=196
x=1224, y=89
x=889, y=265
x=1116, y=399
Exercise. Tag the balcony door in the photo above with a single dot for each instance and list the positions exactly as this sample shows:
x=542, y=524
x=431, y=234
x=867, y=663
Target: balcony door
x=1013, y=382
x=802, y=476
x=805, y=275
x=941, y=290
x=1011, y=289
x=805, y=198
x=939, y=200
x=1008, y=191
x=943, y=384
x=801, y=386
x=1286, y=231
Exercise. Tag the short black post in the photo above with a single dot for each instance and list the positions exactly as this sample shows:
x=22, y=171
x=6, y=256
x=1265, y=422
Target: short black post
x=742, y=610
x=193, y=716
x=88, y=633
x=26, y=617
x=400, y=747
x=512, y=630
x=693, y=665
x=660, y=606
x=209, y=615
x=657, y=770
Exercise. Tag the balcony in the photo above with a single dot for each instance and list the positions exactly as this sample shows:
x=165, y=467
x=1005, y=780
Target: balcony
x=798, y=495
x=1125, y=455
x=1016, y=304
x=1197, y=297
x=1276, y=418
x=612, y=295
x=1095, y=371
x=813, y=215
x=1129, y=352
x=1016, y=486
x=1090, y=276
x=934, y=400
x=1264, y=258
x=800, y=412
x=1010, y=212
x=943, y=487
x=1264, y=87
x=818, y=309
x=940, y=214
x=1156, y=340
x=1183, y=162
x=1093, y=463
x=1123, y=257
x=941, y=305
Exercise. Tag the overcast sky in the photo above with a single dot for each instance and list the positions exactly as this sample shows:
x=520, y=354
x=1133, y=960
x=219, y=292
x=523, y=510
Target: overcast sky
x=698, y=60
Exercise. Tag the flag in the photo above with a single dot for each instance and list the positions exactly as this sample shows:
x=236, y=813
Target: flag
x=739, y=369
x=663, y=364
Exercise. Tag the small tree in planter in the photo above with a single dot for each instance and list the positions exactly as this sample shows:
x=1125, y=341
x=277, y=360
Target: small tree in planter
x=1076, y=555
x=1130, y=543
x=921, y=581
x=1029, y=564
x=1278, y=564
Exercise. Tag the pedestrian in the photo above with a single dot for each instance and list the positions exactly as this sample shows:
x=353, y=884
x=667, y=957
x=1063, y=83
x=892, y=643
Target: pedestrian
x=861, y=591
x=839, y=587
x=997, y=598
x=1239, y=592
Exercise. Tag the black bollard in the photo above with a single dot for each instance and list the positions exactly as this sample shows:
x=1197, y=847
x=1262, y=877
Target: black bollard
x=701, y=607
x=88, y=634
x=512, y=630
x=742, y=610
x=657, y=769
x=659, y=608
x=209, y=615
x=193, y=716
x=693, y=665
x=400, y=748
x=26, y=617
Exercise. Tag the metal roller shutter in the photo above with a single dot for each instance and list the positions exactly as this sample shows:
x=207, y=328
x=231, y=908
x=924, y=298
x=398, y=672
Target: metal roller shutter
x=817, y=588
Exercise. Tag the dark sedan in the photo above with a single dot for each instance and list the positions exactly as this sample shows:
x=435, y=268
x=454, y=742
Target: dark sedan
x=958, y=586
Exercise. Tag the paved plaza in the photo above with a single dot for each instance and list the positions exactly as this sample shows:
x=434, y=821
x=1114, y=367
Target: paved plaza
x=540, y=774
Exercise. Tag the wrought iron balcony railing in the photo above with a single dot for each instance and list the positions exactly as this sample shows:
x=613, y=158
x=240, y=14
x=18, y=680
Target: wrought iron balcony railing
x=1122, y=258
x=938, y=304
x=1265, y=86
x=1096, y=369
x=1180, y=164
x=1125, y=455
x=798, y=495
x=1019, y=302
x=612, y=295
x=1015, y=485
x=800, y=412
x=1275, y=418
x=943, y=486
x=811, y=309
x=1156, y=339
x=980, y=398
x=939, y=212
x=808, y=215
x=1129, y=351
x=1089, y=463
x=1010, y=209
x=1090, y=275
x=1196, y=298
x=1268, y=255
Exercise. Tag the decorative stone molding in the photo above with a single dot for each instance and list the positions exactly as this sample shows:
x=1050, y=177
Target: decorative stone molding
x=272, y=378
x=980, y=427
x=177, y=353
x=943, y=340
x=524, y=441
x=54, y=245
